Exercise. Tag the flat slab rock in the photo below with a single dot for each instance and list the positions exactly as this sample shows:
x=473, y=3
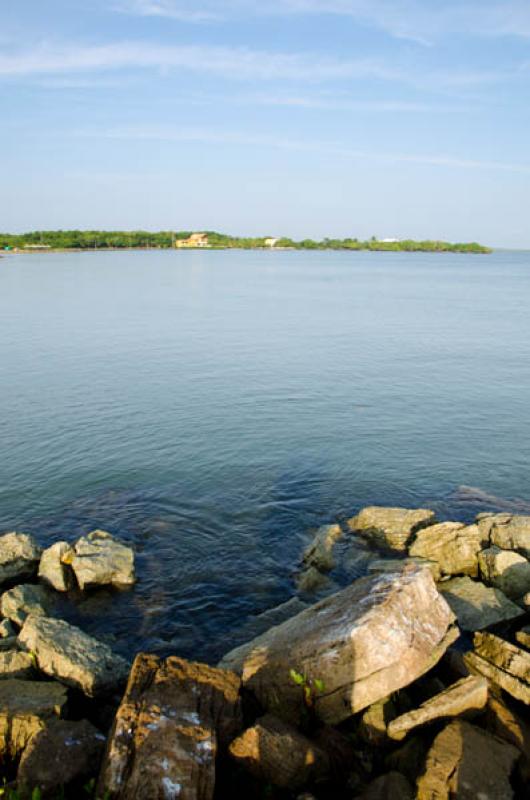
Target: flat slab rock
x=372, y=638
x=275, y=752
x=467, y=695
x=100, y=560
x=19, y=557
x=469, y=763
x=65, y=652
x=390, y=528
x=502, y=663
x=172, y=719
x=453, y=545
x=59, y=754
x=477, y=606
x=25, y=706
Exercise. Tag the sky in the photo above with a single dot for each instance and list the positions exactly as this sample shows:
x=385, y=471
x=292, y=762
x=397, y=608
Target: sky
x=387, y=118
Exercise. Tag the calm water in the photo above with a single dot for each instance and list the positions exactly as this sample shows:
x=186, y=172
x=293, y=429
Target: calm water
x=211, y=407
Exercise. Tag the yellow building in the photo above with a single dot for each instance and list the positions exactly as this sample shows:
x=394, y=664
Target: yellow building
x=195, y=240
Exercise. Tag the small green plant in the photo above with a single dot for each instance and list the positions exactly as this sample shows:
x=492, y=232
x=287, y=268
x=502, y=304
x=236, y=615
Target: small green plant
x=311, y=687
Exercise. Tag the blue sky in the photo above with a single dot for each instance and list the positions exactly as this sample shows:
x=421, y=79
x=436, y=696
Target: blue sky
x=296, y=117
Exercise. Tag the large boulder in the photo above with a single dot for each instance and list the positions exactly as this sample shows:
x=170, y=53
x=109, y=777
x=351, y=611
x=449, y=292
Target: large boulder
x=25, y=706
x=361, y=644
x=390, y=528
x=468, y=695
x=467, y=763
x=54, y=566
x=278, y=754
x=506, y=570
x=74, y=658
x=100, y=560
x=21, y=601
x=453, y=545
x=502, y=663
x=508, y=531
x=165, y=737
x=19, y=557
x=58, y=755
x=477, y=606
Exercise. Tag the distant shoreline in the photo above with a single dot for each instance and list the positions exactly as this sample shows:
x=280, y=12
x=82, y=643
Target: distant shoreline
x=85, y=241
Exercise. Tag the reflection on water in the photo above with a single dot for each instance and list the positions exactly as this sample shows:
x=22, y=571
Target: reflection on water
x=213, y=409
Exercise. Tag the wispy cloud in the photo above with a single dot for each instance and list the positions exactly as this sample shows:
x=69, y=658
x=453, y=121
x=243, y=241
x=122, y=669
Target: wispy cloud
x=334, y=148
x=414, y=19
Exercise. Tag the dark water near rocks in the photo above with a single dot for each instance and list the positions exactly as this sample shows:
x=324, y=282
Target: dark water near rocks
x=212, y=407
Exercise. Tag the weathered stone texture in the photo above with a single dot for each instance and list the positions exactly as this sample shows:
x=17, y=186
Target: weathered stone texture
x=453, y=545
x=19, y=557
x=477, y=606
x=390, y=528
x=100, y=560
x=24, y=708
x=21, y=601
x=53, y=567
x=506, y=570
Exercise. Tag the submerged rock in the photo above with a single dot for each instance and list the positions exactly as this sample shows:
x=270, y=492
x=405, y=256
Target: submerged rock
x=19, y=557
x=453, y=545
x=319, y=553
x=477, y=606
x=276, y=753
x=391, y=528
x=70, y=655
x=25, y=706
x=100, y=560
x=465, y=696
x=370, y=639
x=18, y=603
x=54, y=566
x=506, y=570
x=59, y=754
x=167, y=730
x=469, y=763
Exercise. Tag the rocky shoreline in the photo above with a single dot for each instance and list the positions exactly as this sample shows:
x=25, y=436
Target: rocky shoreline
x=411, y=682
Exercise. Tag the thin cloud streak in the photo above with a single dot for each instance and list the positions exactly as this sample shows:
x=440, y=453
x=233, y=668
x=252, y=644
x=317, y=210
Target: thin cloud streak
x=204, y=136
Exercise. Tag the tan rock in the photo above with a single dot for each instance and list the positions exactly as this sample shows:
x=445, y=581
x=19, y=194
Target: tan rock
x=467, y=695
x=508, y=531
x=506, y=570
x=477, y=606
x=19, y=602
x=7, y=629
x=390, y=528
x=370, y=639
x=467, y=763
x=523, y=637
x=397, y=564
x=507, y=724
x=166, y=734
x=19, y=557
x=374, y=721
x=319, y=553
x=53, y=567
x=14, y=664
x=276, y=753
x=453, y=545
x=24, y=708
x=101, y=560
x=502, y=663
x=392, y=786
x=58, y=754
x=65, y=652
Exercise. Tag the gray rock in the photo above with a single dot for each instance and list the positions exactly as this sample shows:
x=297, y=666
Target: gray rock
x=24, y=708
x=506, y=570
x=100, y=560
x=453, y=545
x=59, y=754
x=508, y=531
x=9, y=643
x=312, y=581
x=319, y=553
x=469, y=763
x=477, y=606
x=391, y=528
x=64, y=652
x=54, y=566
x=371, y=639
x=391, y=786
x=19, y=557
x=15, y=664
x=18, y=603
